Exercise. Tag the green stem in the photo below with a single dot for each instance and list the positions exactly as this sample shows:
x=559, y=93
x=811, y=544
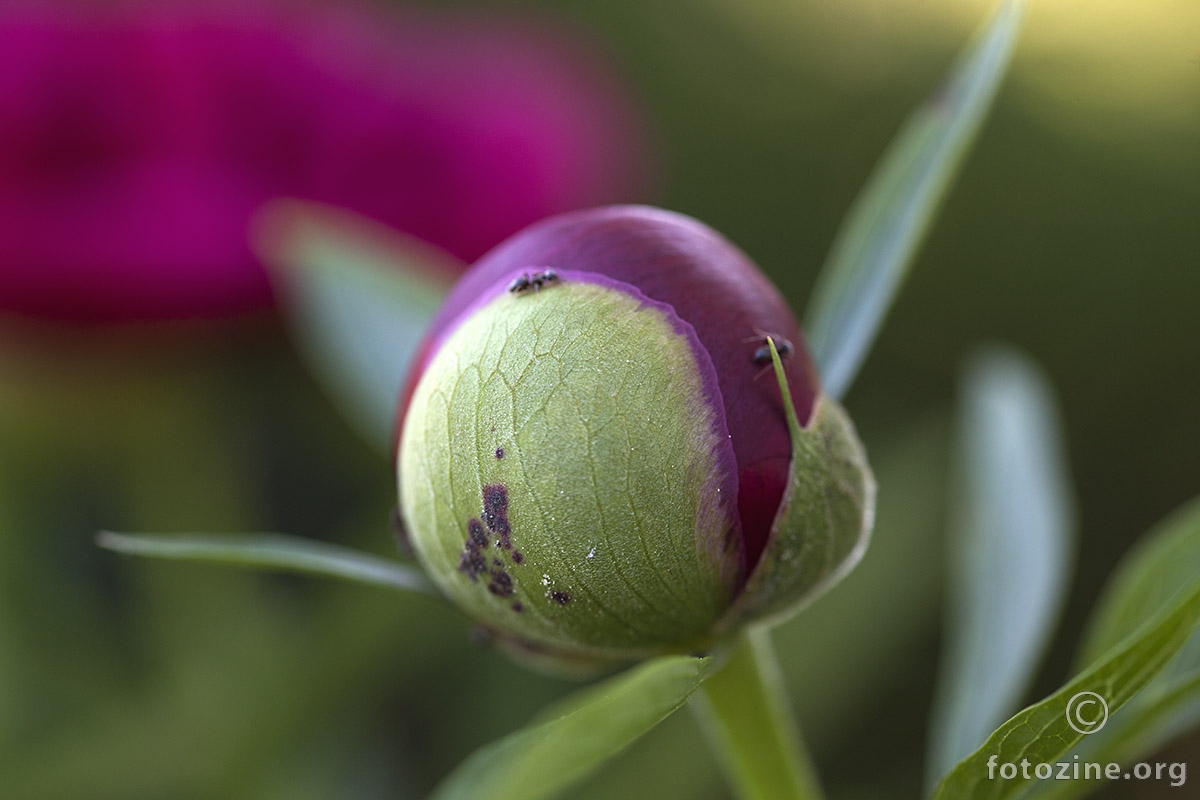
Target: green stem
x=747, y=715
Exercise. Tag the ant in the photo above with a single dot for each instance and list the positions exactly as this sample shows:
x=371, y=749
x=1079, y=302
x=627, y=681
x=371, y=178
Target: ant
x=524, y=282
x=762, y=356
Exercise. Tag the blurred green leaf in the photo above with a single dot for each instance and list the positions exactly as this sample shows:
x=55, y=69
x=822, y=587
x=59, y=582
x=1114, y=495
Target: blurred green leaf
x=1163, y=565
x=748, y=717
x=273, y=551
x=879, y=238
x=359, y=297
x=577, y=735
x=1042, y=733
x=1009, y=548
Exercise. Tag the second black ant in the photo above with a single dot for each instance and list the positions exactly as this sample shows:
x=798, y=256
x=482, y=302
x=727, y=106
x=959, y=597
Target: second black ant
x=762, y=356
x=526, y=281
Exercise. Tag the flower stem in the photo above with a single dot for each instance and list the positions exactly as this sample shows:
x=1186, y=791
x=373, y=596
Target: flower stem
x=745, y=710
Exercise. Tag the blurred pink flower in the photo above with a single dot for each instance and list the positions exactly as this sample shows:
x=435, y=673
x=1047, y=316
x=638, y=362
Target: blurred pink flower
x=136, y=141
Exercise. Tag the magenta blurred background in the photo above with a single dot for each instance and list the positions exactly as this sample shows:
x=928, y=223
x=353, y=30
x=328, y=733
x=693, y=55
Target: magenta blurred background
x=137, y=140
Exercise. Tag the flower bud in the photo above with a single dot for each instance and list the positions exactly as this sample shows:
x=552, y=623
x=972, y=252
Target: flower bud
x=596, y=459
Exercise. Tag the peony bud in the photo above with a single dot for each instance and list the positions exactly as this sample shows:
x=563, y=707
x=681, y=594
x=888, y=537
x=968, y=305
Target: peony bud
x=595, y=458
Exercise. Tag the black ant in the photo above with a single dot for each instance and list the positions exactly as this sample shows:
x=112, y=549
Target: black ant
x=762, y=356
x=524, y=282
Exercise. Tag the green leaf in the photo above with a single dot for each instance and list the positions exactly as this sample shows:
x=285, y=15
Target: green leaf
x=748, y=717
x=272, y=551
x=359, y=297
x=1147, y=723
x=1042, y=733
x=576, y=736
x=1010, y=552
x=1163, y=565
x=876, y=243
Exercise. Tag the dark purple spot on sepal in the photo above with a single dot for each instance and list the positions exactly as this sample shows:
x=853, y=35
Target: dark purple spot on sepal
x=495, y=513
x=501, y=584
x=472, y=563
x=478, y=538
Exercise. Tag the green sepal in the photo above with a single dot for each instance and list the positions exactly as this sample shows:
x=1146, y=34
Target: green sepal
x=824, y=521
x=581, y=411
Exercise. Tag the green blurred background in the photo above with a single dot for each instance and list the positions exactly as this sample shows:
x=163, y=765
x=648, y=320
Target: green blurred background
x=1072, y=233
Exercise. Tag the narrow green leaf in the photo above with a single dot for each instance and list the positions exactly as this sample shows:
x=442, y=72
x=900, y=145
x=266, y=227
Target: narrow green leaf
x=359, y=298
x=1010, y=547
x=1042, y=732
x=1147, y=723
x=876, y=243
x=748, y=717
x=576, y=736
x=273, y=552
x=1163, y=565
